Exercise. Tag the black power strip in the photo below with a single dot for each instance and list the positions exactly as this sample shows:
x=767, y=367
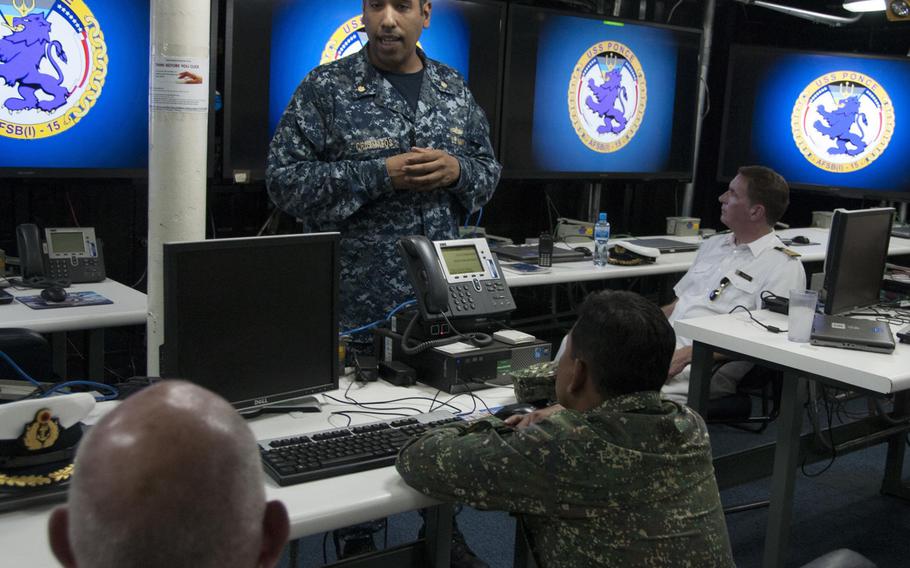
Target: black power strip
x=777, y=304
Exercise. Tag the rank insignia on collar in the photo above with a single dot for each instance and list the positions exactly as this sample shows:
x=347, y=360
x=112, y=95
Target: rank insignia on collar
x=42, y=432
x=788, y=252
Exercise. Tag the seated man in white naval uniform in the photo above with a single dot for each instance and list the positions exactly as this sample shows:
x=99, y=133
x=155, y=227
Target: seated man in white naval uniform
x=734, y=269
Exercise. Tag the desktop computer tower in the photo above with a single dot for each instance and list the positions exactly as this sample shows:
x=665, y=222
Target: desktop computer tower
x=480, y=368
x=457, y=372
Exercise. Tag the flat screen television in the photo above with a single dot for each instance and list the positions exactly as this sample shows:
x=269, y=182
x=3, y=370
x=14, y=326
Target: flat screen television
x=267, y=55
x=253, y=319
x=856, y=257
x=89, y=117
x=75, y=88
x=824, y=121
x=586, y=97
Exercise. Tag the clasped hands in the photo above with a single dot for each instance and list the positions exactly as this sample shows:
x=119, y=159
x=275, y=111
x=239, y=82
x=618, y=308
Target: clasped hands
x=423, y=169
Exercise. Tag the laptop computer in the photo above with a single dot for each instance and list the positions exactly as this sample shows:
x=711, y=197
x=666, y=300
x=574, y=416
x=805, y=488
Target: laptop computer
x=852, y=333
x=529, y=253
x=665, y=245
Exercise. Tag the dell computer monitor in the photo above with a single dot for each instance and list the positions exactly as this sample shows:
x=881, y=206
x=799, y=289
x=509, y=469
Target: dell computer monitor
x=824, y=121
x=253, y=319
x=855, y=261
x=586, y=97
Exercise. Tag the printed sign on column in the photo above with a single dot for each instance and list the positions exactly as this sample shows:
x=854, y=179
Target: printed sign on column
x=179, y=84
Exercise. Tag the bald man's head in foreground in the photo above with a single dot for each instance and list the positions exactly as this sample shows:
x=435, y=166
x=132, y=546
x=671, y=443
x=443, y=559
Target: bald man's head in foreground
x=171, y=477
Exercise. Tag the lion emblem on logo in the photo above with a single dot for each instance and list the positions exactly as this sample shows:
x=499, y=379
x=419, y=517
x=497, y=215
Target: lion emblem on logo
x=838, y=124
x=607, y=96
x=53, y=62
x=21, y=54
x=842, y=121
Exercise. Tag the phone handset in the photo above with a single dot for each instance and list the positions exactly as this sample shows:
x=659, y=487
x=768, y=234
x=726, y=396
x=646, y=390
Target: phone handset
x=426, y=275
x=31, y=253
x=430, y=278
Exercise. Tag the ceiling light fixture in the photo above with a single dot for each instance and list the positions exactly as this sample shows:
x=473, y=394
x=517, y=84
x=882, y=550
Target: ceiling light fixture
x=864, y=5
x=812, y=16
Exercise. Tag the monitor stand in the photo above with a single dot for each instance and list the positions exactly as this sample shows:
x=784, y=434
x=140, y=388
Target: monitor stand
x=302, y=404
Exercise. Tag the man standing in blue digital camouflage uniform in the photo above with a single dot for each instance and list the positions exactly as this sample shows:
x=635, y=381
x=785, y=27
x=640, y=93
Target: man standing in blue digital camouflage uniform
x=381, y=144
x=613, y=477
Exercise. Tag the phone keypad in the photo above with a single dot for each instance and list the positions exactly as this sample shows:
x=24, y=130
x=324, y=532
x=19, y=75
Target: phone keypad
x=59, y=268
x=462, y=296
x=498, y=295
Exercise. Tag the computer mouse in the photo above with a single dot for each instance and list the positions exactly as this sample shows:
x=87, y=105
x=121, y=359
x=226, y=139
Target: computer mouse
x=54, y=294
x=584, y=250
x=520, y=408
x=800, y=240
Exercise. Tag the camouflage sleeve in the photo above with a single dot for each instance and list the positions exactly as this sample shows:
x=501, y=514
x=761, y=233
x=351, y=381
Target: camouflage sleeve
x=479, y=168
x=485, y=464
x=300, y=182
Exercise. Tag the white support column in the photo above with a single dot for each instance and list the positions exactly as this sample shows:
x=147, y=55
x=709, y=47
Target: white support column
x=178, y=120
x=703, y=60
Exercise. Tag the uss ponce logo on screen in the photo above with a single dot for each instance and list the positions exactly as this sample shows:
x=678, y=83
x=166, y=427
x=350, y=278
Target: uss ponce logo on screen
x=607, y=96
x=842, y=121
x=350, y=37
x=53, y=61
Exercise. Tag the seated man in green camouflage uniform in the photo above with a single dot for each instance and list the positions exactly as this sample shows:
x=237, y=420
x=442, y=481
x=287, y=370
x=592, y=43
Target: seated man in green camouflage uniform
x=614, y=476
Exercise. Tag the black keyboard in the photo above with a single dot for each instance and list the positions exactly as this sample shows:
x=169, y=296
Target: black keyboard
x=902, y=232
x=339, y=451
